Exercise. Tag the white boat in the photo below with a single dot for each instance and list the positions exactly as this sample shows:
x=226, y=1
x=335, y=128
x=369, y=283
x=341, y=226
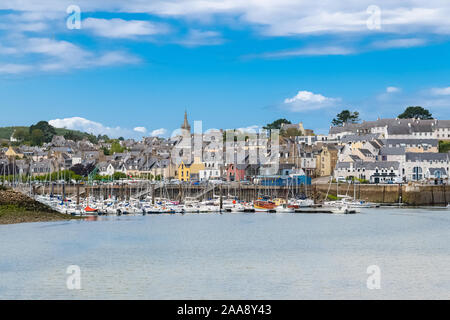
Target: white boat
x=344, y=210
x=237, y=208
x=284, y=209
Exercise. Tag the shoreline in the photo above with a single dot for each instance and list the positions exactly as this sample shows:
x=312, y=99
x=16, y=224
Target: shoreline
x=16, y=208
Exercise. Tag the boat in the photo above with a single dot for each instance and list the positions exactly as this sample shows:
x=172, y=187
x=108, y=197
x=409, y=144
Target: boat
x=264, y=206
x=344, y=210
x=284, y=208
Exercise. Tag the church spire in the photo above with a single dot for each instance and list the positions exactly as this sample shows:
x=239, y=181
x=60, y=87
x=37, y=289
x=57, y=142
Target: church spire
x=186, y=125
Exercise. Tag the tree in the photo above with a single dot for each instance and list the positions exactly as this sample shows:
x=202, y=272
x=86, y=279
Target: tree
x=276, y=124
x=47, y=130
x=346, y=116
x=416, y=112
x=21, y=134
x=116, y=148
x=291, y=132
x=37, y=137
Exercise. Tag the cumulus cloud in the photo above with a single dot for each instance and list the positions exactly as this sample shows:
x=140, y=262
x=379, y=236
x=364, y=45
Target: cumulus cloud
x=89, y=126
x=140, y=129
x=306, y=101
x=159, y=132
x=119, y=28
x=393, y=89
x=441, y=91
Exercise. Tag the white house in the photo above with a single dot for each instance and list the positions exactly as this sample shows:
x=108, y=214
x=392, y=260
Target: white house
x=375, y=172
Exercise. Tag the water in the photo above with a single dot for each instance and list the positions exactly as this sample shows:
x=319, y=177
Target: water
x=231, y=256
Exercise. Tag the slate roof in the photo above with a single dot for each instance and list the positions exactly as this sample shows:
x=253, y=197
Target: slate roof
x=386, y=151
x=426, y=156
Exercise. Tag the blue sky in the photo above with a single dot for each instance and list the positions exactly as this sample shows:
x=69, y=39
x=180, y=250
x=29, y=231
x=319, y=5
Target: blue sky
x=134, y=67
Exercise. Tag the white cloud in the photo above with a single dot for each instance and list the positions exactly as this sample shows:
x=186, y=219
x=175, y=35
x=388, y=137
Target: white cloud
x=399, y=43
x=306, y=101
x=140, y=129
x=13, y=68
x=393, y=89
x=59, y=55
x=119, y=28
x=276, y=18
x=311, y=51
x=159, y=132
x=441, y=91
x=89, y=126
x=196, y=38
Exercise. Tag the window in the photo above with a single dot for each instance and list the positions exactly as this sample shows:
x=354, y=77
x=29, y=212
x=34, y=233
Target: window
x=417, y=173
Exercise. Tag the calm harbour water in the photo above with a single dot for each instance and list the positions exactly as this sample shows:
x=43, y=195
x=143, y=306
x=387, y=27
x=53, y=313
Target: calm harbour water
x=231, y=256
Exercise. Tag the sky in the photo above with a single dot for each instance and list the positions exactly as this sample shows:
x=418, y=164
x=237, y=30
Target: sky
x=132, y=68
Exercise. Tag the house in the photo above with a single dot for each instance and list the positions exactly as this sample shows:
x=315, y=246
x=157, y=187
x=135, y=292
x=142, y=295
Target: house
x=436, y=174
x=212, y=171
x=392, y=154
x=42, y=168
x=235, y=172
x=374, y=171
x=417, y=165
x=413, y=145
x=326, y=160
x=195, y=168
x=308, y=162
x=184, y=172
x=11, y=153
x=58, y=141
x=105, y=168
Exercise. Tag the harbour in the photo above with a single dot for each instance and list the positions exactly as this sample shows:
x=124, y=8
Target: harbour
x=231, y=256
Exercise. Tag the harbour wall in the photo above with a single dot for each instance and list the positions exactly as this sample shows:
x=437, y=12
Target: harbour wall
x=415, y=195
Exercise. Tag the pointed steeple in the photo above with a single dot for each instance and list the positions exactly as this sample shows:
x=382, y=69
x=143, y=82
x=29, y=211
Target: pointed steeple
x=186, y=125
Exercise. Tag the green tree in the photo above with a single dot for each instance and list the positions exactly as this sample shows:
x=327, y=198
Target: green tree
x=119, y=175
x=291, y=132
x=444, y=146
x=21, y=134
x=346, y=116
x=416, y=112
x=47, y=130
x=37, y=137
x=276, y=124
x=116, y=147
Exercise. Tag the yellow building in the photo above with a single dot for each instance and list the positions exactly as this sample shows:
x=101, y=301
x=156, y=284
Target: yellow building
x=184, y=172
x=10, y=153
x=187, y=172
x=326, y=160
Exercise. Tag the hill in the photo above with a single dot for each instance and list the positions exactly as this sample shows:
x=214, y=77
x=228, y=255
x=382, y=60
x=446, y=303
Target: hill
x=6, y=132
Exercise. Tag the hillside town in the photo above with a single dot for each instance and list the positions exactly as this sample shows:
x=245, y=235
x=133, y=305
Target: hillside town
x=383, y=151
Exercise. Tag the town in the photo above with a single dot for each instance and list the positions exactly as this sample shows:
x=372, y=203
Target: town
x=383, y=151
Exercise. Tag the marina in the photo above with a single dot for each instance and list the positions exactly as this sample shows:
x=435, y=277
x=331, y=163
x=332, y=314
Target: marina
x=231, y=256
